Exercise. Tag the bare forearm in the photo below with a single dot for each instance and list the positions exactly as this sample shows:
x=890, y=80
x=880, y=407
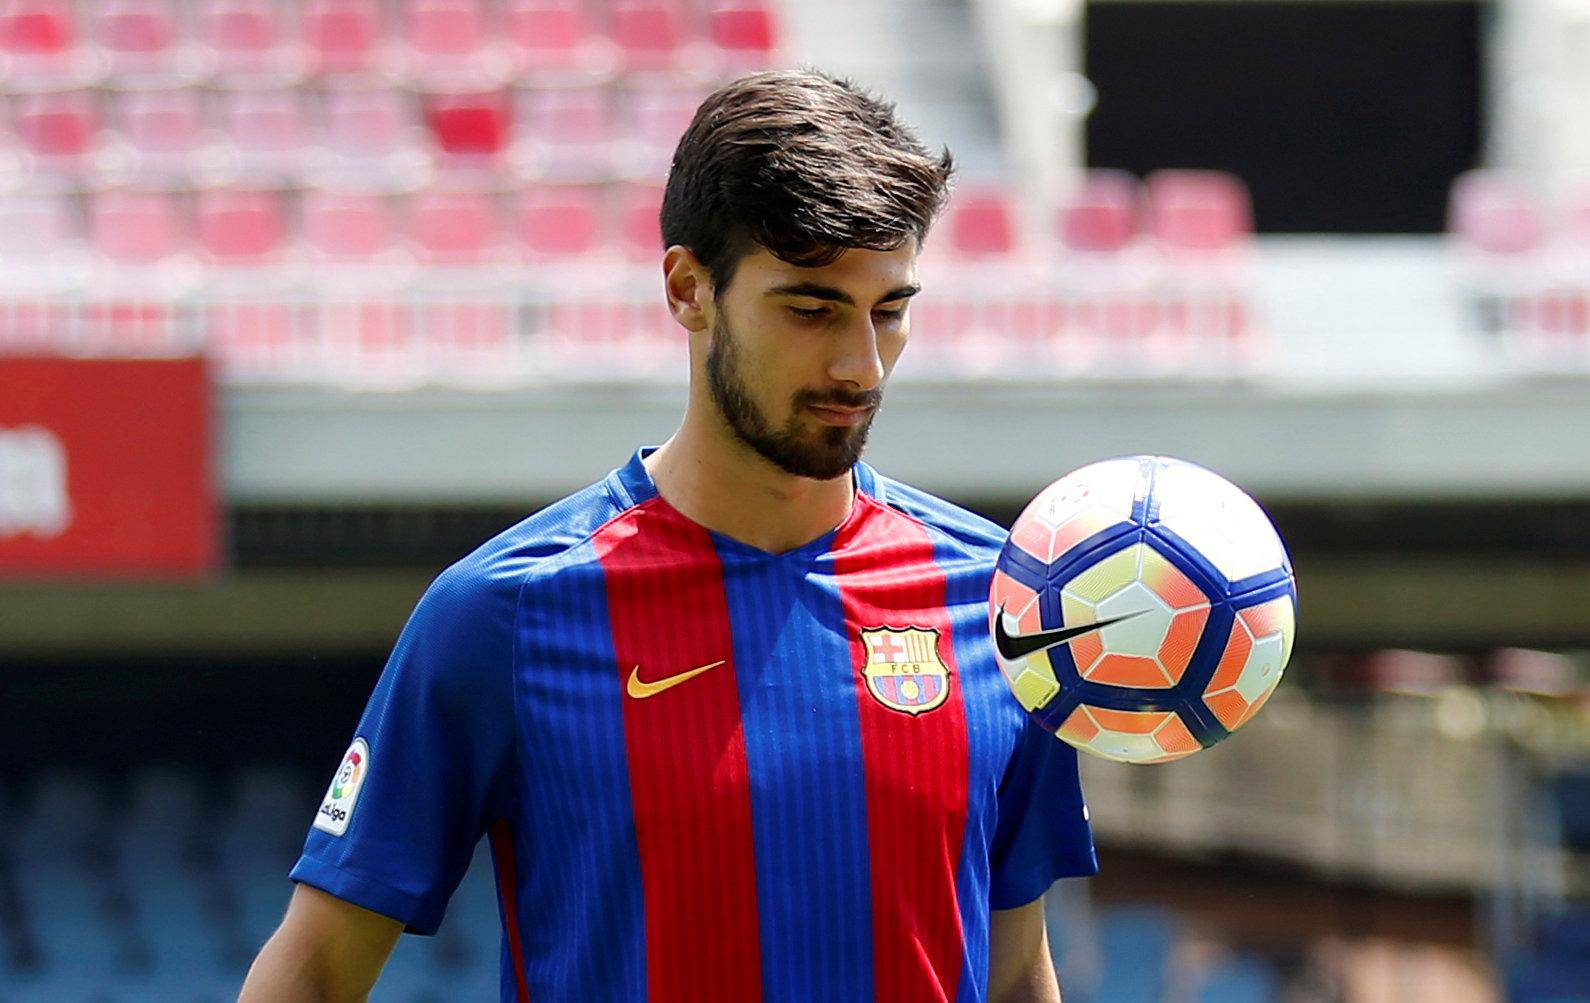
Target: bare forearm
x=290, y=972
x=325, y=951
x=1019, y=969
x=1036, y=985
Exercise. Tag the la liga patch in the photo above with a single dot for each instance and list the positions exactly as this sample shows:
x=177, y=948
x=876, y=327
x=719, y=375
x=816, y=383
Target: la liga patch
x=336, y=808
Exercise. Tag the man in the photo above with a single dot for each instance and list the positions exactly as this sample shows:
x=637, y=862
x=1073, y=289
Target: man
x=730, y=717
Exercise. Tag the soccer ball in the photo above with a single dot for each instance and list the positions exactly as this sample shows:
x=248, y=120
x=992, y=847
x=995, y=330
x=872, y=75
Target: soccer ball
x=1143, y=608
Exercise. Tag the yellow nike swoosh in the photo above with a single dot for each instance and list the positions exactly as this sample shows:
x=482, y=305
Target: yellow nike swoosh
x=641, y=690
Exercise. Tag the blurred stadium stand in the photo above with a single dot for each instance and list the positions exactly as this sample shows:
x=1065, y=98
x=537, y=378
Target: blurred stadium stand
x=418, y=236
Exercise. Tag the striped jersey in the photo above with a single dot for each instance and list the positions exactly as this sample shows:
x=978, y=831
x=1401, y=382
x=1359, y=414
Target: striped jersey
x=710, y=772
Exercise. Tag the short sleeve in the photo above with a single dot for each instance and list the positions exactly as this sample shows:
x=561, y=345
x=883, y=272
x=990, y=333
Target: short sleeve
x=430, y=764
x=1042, y=833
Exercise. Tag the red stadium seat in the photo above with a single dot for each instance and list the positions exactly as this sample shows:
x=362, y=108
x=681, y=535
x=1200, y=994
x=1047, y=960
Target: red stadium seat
x=343, y=36
x=1102, y=214
x=162, y=127
x=241, y=226
x=558, y=223
x=444, y=30
x=1197, y=211
x=568, y=132
x=658, y=116
x=347, y=226
x=136, y=36
x=58, y=128
x=36, y=35
x=266, y=126
x=981, y=224
x=746, y=32
x=639, y=227
x=34, y=224
x=551, y=35
x=366, y=123
x=247, y=38
x=136, y=227
x=649, y=35
x=468, y=126
x=1494, y=213
x=453, y=227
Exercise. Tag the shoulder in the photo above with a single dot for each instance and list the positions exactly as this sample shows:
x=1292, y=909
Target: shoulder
x=953, y=526
x=483, y=588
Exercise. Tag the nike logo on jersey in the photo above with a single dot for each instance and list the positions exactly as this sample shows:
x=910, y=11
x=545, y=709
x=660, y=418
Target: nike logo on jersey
x=1016, y=646
x=641, y=690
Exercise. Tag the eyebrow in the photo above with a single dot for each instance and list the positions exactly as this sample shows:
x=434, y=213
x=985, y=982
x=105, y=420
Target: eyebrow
x=814, y=290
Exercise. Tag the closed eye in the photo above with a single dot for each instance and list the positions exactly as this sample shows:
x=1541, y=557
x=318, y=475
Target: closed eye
x=815, y=313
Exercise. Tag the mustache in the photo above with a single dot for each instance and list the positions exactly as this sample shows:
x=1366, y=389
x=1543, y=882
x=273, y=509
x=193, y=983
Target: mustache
x=872, y=399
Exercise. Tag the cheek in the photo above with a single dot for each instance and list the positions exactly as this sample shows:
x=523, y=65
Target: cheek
x=891, y=342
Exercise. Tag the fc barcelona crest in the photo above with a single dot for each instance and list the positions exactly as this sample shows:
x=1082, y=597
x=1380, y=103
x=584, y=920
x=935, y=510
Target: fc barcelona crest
x=904, y=671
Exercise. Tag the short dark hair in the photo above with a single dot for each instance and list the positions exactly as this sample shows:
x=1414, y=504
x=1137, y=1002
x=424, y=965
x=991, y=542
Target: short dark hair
x=803, y=164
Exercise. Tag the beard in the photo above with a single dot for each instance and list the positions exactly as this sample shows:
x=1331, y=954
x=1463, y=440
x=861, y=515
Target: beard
x=823, y=454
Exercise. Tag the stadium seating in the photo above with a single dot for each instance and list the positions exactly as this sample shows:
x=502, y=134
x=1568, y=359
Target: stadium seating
x=981, y=224
x=1101, y=214
x=347, y=226
x=1197, y=211
x=362, y=137
x=136, y=227
x=248, y=40
x=1494, y=214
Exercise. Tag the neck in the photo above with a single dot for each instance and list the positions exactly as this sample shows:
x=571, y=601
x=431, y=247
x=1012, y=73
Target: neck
x=717, y=481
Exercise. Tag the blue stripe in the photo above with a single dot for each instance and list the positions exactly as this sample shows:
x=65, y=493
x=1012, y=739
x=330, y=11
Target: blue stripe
x=993, y=722
x=808, y=800
x=580, y=899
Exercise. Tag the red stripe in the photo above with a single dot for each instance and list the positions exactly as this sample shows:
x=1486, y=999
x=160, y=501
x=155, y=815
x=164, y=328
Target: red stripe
x=689, y=783
x=508, y=892
x=915, y=764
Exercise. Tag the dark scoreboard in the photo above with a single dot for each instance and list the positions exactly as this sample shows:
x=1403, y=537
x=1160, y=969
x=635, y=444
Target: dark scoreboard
x=1350, y=116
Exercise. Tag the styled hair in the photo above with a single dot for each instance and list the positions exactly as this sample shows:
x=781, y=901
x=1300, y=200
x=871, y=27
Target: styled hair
x=803, y=164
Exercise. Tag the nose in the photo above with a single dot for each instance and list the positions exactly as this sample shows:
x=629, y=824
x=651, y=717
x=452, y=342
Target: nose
x=856, y=360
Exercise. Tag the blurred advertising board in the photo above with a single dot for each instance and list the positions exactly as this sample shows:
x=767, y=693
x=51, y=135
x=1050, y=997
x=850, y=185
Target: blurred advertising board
x=106, y=469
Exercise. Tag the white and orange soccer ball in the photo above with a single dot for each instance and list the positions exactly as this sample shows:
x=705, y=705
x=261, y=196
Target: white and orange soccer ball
x=1143, y=608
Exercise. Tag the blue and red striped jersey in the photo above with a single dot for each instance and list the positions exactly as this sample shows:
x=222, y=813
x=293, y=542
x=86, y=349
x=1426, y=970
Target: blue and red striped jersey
x=709, y=772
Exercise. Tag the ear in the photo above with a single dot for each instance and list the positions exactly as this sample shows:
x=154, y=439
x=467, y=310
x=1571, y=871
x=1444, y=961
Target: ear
x=688, y=287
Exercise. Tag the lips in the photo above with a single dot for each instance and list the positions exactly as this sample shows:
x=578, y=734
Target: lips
x=842, y=416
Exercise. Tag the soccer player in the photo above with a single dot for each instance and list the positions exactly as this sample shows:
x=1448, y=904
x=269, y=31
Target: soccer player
x=730, y=717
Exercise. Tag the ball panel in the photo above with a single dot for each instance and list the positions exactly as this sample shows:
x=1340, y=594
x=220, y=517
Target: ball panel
x=1112, y=486
x=1086, y=650
x=1020, y=603
x=1105, y=577
x=1175, y=739
x=1232, y=661
x=1033, y=537
x=1277, y=616
x=1079, y=528
x=1127, y=670
x=1079, y=728
x=1033, y=684
x=1176, y=589
x=1229, y=708
x=1087, y=501
x=1254, y=707
x=1217, y=519
x=1146, y=622
x=1127, y=736
x=1129, y=722
x=1181, y=641
x=1263, y=669
x=1125, y=748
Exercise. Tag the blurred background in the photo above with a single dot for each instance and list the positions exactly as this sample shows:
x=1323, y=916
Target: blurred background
x=299, y=302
